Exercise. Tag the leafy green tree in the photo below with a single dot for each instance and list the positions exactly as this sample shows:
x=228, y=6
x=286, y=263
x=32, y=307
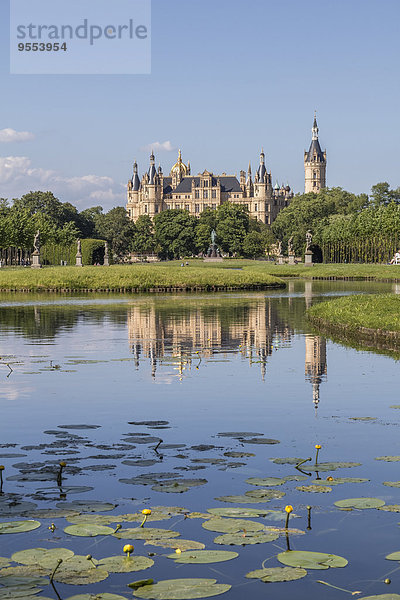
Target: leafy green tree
x=143, y=237
x=117, y=229
x=175, y=233
x=381, y=194
x=253, y=244
x=203, y=236
x=232, y=226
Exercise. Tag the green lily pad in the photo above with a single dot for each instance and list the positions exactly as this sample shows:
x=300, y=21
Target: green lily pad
x=86, y=505
x=314, y=488
x=125, y=564
x=238, y=454
x=182, y=589
x=245, y=539
x=348, y=480
x=203, y=556
x=291, y=460
x=18, y=526
x=80, y=577
x=231, y=525
x=275, y=574
x=22, y=572
x=237, y=512
x=394, y=484
x=89, y=519
x=177, y=543
x=242, y=499
x=20, y=593
x=390, y=508
x=388, y=458
x=41, y=556
x=311, y=560
x=88, y=530
x=393, y=556
x=4, y=562
x=360, y=503
x=265, y=481
x=145, y=533
x=265, y=494
x=100, y=596
x=331, y=466
x=382, y=597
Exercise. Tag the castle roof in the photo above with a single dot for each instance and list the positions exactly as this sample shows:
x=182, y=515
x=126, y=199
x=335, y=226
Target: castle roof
x=315, y=148
x=229, y=183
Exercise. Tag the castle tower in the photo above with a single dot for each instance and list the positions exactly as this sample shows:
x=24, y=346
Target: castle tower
x=315, y=163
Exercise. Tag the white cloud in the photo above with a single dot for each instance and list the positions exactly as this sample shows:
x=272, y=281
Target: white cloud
x=18, y=176
x=11, y=135
x=159, y=147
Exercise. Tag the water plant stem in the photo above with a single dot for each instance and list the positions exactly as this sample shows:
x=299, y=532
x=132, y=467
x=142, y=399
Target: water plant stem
x=60, y=560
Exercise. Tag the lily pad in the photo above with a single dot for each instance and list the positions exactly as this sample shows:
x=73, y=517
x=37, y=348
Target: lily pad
x=265, y=494
x=231, y=525
x=245, y=539
x=390, y=508
x=291, y=460
x=4, y=562
x=87, y=505
x=394, y=484
x=388, y=458
x=177, y=543
x=382, y=597
x=393, y=556
x=80, y=577
x=203, y=556
x=182, y=589
x=314, y=488
x=234, y=454
x=41, y=556
x=259, y=440
x=242, y=499
x=125, y=564
x=242, y=513
x=88, y=530
x=360, y=503
x=331, y=466
x=100, y=596
x=18, y=526
x=265, y=481
x=145, y=533
x=311, y=560
x=275, y=574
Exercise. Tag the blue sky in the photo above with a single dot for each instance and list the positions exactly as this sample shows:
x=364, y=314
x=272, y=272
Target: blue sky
x=227, y=77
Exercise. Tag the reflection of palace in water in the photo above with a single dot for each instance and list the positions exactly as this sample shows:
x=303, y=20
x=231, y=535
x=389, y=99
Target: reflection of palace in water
x=187, y=334
x=315, y=363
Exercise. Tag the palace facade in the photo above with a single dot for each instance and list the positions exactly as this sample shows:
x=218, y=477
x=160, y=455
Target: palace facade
x=156, y=192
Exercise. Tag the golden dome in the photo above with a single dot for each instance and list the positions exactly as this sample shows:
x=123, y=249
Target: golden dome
x=179, y=167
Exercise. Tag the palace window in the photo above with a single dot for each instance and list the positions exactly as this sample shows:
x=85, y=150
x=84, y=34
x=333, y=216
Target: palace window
x=214, y=206
x=205, y=194
x=168, y=206
x=315, y=174
x=177, y=206
x=314, y=184
x=187, y=207
x=145, y=208
x=156, y=208
x=205, y=183
x=255, y=207
x=266, y=207
x=214, y=193
x=197, y=208
x=197, y=194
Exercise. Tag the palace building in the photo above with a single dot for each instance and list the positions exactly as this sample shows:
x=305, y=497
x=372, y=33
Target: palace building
x=155, y=192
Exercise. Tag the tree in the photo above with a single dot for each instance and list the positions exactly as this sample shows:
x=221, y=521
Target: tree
x=232, y=226
x=117, y=229
x=175, y=233
x=203, y=236
x=143, y=241
x=382, y=195
x=253, y=244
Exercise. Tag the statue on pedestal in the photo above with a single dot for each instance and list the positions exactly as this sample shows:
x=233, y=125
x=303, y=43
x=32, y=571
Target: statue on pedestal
x=308, y=240
x=36, y=242
x=290, y=246
x=78, y=257
x=213, y=251
x=106, y=258
x=36, y=252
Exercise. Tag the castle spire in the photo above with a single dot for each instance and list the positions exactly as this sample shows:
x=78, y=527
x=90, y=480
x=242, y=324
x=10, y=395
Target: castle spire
x=315, y=129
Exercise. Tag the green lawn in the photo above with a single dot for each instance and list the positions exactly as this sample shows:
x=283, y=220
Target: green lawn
x=159, y=277
x=354, y=314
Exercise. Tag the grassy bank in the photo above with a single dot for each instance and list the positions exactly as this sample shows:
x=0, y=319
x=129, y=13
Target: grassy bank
x=367, y=317
x=161, y=277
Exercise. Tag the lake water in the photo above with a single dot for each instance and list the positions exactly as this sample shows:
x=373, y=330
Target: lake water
x=209, y=364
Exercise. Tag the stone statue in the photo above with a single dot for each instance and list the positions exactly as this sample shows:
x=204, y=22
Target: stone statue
x=106, y=261
x=106, y=249
x=36, y=242
x=78, y=246
x=308, y=240
x=279, y=248
x=290, y=245
x=213, y=236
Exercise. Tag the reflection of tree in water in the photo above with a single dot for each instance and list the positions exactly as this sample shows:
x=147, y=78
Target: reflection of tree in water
x=205, y=327
x=47, y=322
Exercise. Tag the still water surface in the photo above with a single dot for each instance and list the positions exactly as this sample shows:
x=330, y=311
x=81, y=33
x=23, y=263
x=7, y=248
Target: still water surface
x=206, y=364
